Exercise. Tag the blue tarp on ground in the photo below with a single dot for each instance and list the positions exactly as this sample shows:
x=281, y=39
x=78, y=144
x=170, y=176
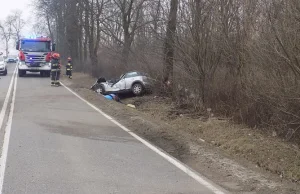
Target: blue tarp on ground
x=110, y=97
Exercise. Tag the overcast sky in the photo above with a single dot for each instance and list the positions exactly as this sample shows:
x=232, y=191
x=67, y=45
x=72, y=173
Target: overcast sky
x=7, y=6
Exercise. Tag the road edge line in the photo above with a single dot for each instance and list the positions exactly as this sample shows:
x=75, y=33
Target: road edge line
x=3, y=158
x=192, y=173
x=6, y=101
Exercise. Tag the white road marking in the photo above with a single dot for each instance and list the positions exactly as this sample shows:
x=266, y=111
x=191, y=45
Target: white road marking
x=8, y=130
x=5, y=103
x=195, y=175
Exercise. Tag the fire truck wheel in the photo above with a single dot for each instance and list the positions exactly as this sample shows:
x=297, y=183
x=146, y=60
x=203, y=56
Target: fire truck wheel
x=48, y=73
x=21, y=73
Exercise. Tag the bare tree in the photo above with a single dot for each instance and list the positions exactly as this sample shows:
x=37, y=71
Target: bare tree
x=169, y=41
x=6, y=33
x=17, y=23
x=128, y=15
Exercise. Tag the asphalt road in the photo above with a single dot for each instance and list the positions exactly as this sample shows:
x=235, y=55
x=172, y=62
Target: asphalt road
x=59, y=144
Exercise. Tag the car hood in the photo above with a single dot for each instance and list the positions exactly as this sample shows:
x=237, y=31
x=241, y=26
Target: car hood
x=2, y=63
x=110, y=87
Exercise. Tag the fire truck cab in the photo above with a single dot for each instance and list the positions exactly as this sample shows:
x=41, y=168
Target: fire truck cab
x=35, y=55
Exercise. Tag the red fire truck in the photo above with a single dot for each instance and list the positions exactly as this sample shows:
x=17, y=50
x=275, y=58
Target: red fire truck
x=35, y=55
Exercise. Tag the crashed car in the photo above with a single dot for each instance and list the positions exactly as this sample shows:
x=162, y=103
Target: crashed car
x=135, y=82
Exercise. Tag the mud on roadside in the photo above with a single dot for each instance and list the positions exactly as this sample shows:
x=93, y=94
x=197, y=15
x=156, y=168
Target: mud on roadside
x=237, y=158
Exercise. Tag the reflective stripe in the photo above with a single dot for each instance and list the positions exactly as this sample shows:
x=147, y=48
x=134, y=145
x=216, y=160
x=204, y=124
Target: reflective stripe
x=55, y=70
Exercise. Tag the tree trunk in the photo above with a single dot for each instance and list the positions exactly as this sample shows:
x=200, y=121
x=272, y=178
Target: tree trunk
x=72, y=30
x=126, y=19
x=7, y=47
x=126, y=51
x=169, y=42
x=91, y=29
x=60, y=39
x=49, y=27
x=86, y=31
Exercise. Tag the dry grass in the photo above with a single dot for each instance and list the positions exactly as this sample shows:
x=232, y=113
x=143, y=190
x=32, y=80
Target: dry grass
x=269, y=153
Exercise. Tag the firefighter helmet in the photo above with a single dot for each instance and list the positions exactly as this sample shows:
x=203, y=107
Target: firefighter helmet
x=55, y=55
x=69, y=59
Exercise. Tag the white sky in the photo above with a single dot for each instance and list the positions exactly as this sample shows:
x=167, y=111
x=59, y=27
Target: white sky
x=7, y=6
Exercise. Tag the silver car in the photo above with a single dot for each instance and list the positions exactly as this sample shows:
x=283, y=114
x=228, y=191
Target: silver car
x=135, y=82
x=3, y=68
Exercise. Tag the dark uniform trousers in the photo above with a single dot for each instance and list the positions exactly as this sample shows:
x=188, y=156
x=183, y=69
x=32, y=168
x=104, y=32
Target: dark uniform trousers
x=55, y=72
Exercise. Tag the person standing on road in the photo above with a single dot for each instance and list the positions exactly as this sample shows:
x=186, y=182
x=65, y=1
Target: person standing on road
x=69, y=68
x=55, y=69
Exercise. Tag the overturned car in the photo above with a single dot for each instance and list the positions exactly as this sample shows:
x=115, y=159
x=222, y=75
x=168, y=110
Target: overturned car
x=135, y=82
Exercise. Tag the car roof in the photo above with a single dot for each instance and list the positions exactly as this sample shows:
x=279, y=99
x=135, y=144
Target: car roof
x=133, y=72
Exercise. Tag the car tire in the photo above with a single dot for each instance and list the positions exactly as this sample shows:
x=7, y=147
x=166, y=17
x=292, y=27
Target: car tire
x=137, y=89
x=21, y=73
x=5, y=72
x=45, y=74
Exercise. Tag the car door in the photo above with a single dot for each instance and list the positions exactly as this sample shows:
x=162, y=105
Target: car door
x=129, y=79
x=121, y=85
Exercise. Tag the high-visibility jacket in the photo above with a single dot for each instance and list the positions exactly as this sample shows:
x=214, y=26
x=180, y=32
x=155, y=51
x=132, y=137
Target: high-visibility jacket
x=55, y=65
x=69, y=66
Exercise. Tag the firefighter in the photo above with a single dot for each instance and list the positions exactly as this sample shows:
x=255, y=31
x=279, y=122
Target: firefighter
x=55, y=69
x=69, y=68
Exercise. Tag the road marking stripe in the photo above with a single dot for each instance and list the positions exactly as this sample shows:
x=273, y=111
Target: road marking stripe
x=195, y=175
x=5, y=103
x=7, y=131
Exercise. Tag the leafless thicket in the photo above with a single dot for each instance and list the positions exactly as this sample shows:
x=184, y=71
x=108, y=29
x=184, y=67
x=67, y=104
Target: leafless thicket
x=239, y=58
x=10, y=28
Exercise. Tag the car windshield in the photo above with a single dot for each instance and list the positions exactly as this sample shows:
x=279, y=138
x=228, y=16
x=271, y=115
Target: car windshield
x=34, y=46
x=132, y=74
x=135, y=74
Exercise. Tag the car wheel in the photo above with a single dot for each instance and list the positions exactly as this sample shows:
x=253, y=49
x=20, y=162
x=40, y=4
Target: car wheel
x=44, y=74
x=137, y=89
x=5, y=72
x=21, y=73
